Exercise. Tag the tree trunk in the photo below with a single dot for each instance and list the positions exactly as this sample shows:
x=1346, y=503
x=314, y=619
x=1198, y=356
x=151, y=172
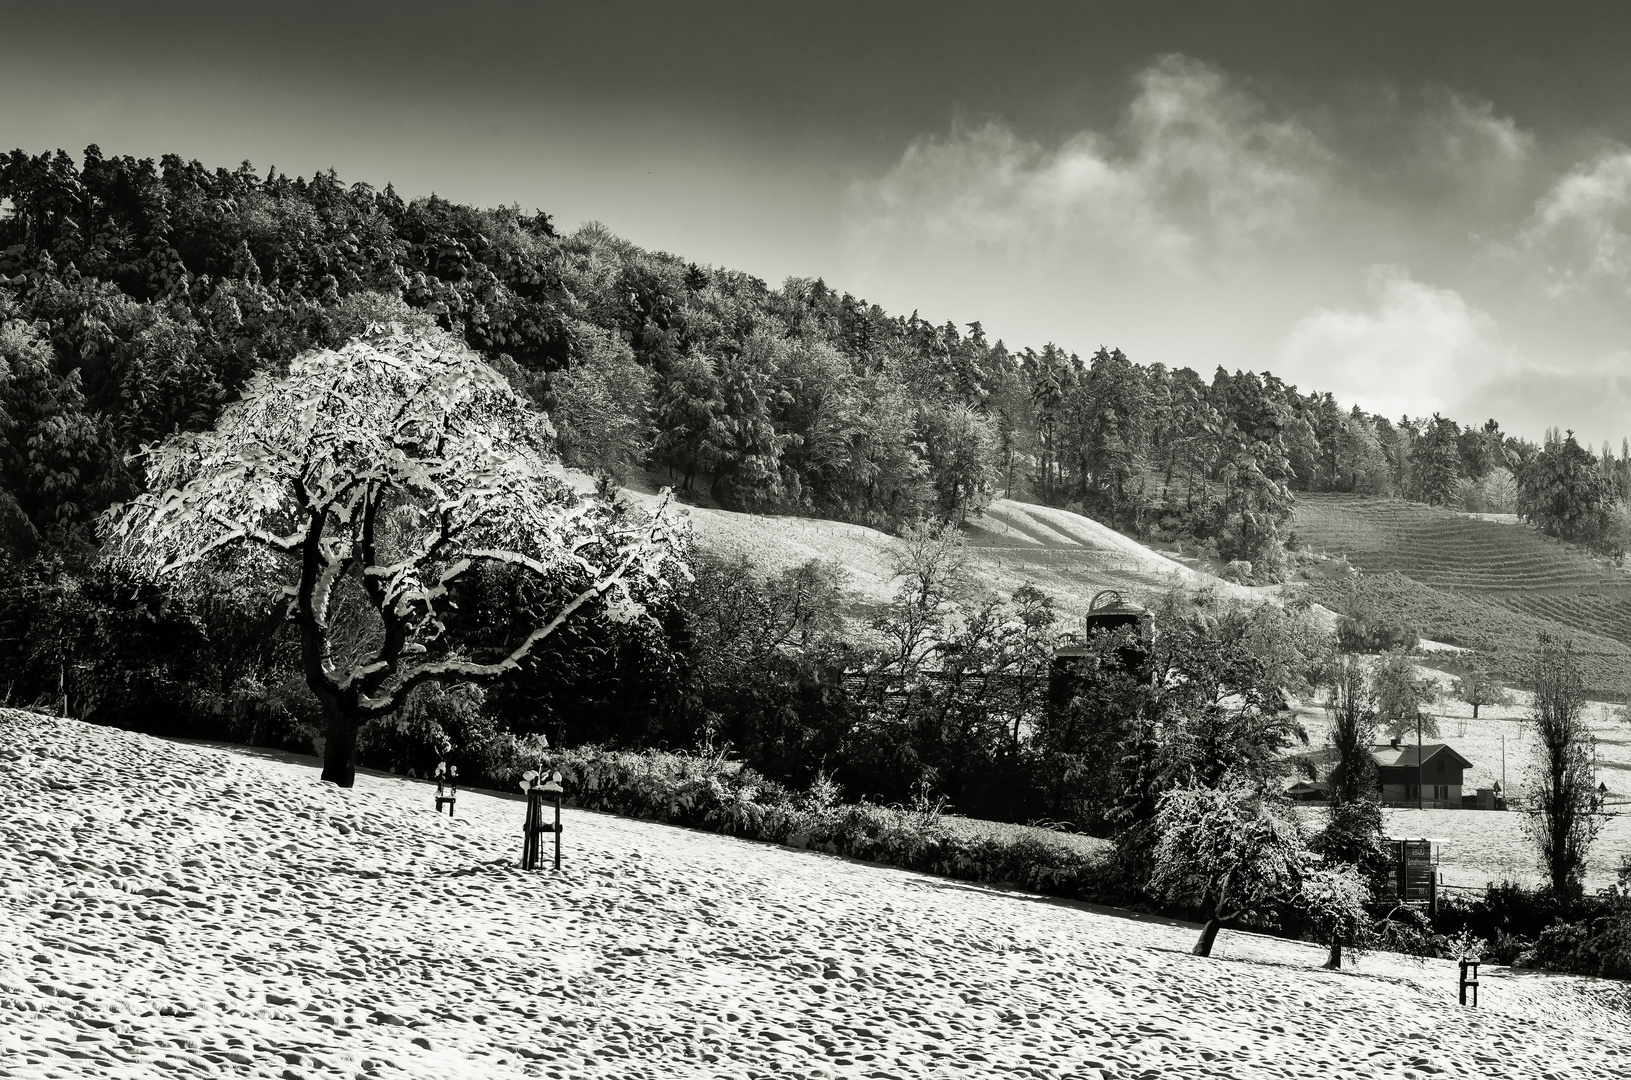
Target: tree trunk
x=340, y=748
x=1334, y=961
x=1475, y=710
x=1209, y=934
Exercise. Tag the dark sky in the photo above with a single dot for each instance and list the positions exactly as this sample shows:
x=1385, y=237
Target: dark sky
x=1419, y=205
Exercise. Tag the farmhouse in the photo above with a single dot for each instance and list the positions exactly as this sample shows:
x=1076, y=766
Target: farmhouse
x=1435, y=767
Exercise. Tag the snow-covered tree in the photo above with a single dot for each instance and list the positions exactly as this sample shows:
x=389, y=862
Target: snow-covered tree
x=1229, y=851
x=1480, y=687
x=1332, y=900
x=365, y=484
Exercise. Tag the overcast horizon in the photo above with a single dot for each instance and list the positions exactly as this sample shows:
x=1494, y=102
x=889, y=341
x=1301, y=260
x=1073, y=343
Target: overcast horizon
x=1417, y=208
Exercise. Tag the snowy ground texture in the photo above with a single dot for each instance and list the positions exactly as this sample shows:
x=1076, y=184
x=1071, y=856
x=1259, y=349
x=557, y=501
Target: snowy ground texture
x=180, y=910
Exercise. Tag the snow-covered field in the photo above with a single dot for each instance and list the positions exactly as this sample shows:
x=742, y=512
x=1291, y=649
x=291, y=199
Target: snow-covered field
x=180, y=910
x=1483, y=846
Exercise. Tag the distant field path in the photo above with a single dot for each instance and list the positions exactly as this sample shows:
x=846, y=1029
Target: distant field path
x=188, y=911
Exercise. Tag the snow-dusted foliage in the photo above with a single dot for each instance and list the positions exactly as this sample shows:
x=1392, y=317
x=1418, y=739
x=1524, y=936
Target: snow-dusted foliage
x=1332, y=900
x=386, y=470
x=1229, y=851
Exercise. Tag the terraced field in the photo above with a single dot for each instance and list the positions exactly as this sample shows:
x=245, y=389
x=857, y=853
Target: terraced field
x=1486, y=585
x=1507, y=565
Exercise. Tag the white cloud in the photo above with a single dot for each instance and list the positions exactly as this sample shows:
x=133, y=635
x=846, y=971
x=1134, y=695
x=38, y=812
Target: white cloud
x=1416, y=349
x=1467, y=137
x=1581, y=227
x=1198, y=171
x=1215, y=214
x=1590, y=396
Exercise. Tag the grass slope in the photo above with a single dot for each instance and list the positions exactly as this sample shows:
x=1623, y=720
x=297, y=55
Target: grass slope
x=1487, y=585
x=1066, y=555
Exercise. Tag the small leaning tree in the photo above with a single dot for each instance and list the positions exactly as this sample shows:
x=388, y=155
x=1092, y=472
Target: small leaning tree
x=365, y=485
x=1230, y=851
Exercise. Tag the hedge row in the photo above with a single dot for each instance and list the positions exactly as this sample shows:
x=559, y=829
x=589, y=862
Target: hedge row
x=716, y=795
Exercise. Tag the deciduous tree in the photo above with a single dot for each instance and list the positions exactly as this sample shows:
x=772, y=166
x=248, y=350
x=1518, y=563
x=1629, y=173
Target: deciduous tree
x=1351, y=705
x=1332, y=900
x=1229, y=851
x=366, y=483
x=1561, y=781
x=1402, y=693
x=1480, y=687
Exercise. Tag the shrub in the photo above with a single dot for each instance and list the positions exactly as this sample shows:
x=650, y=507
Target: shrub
x=1368, y=631
x=1406, y=930
x=1599, y=946
x=1539, y=928
x=711, y=793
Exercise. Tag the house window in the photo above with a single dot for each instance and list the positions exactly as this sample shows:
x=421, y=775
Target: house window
x=1440, y=764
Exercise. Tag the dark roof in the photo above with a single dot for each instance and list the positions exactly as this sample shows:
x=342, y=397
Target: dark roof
x=1403, y=756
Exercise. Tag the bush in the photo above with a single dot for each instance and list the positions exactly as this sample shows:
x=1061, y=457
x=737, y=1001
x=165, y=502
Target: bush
x=1538, y=928
x=1599, y=946
x=1367, y=631
x=1406, y=930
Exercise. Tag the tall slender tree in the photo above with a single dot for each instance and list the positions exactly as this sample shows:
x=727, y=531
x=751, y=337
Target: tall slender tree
x=1561, y=780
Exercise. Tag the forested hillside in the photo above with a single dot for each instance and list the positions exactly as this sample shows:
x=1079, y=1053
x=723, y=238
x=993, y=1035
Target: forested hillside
x=138, y=297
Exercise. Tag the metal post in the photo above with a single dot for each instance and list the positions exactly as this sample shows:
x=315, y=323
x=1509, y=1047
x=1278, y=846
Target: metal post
x=1421, y=772
x=557, y=828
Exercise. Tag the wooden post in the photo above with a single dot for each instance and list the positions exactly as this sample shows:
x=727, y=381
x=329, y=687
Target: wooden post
x=536, y=786
x=557, y=828
x=529, y=831
x=447, y=786
x=552, y=788
x=1472, y=982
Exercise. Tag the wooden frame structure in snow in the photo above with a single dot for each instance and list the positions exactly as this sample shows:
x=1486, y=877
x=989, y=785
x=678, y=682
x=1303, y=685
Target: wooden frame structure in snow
x=537, y=786
x=447, y=786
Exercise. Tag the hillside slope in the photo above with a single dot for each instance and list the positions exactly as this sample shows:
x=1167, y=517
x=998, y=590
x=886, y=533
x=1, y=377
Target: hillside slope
x=1066, y=555
x=1486, y=584
x=1510, y=565
x=214, y=912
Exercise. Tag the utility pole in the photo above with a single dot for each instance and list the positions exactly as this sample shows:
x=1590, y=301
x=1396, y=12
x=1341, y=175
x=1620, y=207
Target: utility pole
x=1503, y=767
x=1421, y=771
